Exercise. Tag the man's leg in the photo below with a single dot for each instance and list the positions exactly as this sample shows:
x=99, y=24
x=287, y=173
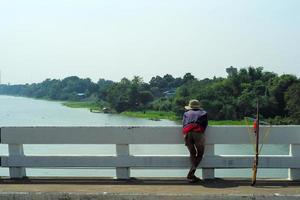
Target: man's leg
x=199, y=145
x=189, y=142
x=193, y=157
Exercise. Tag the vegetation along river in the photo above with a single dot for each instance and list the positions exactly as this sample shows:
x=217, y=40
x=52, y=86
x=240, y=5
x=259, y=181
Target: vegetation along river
x=19, y=111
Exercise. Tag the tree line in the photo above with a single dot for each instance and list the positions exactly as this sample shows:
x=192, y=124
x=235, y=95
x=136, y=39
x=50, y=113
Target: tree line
x=229, y=98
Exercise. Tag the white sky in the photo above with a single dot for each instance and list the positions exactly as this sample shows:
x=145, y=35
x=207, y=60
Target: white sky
x=112, y=39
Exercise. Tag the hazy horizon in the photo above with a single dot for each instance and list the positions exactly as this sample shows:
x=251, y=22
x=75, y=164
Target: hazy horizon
x=115, y=39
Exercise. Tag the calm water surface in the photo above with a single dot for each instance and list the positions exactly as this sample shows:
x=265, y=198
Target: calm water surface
x=19, y=111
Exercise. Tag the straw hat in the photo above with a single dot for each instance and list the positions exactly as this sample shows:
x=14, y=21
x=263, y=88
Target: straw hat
x=193, y=104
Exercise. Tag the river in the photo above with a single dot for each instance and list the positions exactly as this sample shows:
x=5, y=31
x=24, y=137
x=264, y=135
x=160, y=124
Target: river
x=20, y=111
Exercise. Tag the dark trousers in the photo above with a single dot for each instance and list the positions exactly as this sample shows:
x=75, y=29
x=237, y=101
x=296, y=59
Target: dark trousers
x=195, y=142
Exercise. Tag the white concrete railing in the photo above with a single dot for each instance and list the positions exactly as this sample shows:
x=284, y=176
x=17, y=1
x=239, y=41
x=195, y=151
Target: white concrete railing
x=124, y=136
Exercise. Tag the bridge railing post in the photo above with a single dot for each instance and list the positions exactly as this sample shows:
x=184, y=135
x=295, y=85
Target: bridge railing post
x=294, y=173
x=16, y=150
x=209, y=173
x=122, y=172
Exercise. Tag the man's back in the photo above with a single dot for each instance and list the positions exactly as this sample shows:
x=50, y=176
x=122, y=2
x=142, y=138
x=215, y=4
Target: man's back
x=198, y=116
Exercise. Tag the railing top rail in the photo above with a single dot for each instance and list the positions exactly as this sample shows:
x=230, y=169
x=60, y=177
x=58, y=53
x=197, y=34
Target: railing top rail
x=140, y=135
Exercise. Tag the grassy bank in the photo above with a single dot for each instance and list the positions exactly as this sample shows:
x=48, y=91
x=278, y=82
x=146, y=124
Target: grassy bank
x=226, y=122
x=157, y=115
x=148, y=114
x=82, y=104
x=153, y=115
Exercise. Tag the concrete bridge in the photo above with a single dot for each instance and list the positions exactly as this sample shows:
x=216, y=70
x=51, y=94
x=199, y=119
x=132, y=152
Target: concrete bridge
x=123, y=161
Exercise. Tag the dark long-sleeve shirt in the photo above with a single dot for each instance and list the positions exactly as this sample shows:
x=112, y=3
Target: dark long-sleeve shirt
x=194, y=120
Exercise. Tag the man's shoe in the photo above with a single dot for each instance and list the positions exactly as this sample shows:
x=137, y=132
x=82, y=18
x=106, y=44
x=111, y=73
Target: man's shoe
x=193, y=179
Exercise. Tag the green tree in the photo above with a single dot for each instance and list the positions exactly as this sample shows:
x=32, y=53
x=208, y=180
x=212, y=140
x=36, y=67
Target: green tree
x=188, y=77
x=145, y=97
x=278, y=86
x=292, y=98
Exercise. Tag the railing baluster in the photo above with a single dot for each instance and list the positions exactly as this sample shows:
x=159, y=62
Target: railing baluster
x=294, y=173
x=16, y=150
x=208, y=173
x=122, y=172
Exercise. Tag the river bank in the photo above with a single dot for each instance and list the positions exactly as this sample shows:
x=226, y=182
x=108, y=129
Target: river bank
x=97, y=107
x=82, y=104
x=152, y=114
x=147, y=114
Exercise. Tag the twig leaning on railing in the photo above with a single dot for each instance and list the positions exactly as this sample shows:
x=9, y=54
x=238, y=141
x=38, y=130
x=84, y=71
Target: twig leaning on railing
x=257, y=145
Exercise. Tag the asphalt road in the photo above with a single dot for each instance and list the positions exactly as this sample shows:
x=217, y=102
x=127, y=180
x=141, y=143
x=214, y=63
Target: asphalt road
x=152, y=186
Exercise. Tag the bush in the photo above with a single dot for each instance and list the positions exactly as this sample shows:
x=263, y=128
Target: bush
x=280, y=121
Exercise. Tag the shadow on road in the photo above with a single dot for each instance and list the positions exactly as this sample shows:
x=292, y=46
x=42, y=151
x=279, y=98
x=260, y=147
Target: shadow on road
x=213, y=183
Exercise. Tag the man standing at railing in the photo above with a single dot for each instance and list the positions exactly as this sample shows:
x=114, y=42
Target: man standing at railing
x=194, y=125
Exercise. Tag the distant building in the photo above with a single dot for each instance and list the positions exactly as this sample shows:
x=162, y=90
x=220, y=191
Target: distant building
x=169, y=93
x=106, y=110
x=81, y=95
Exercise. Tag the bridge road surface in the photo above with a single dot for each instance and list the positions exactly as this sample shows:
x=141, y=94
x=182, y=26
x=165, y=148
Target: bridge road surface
x=144, y=189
